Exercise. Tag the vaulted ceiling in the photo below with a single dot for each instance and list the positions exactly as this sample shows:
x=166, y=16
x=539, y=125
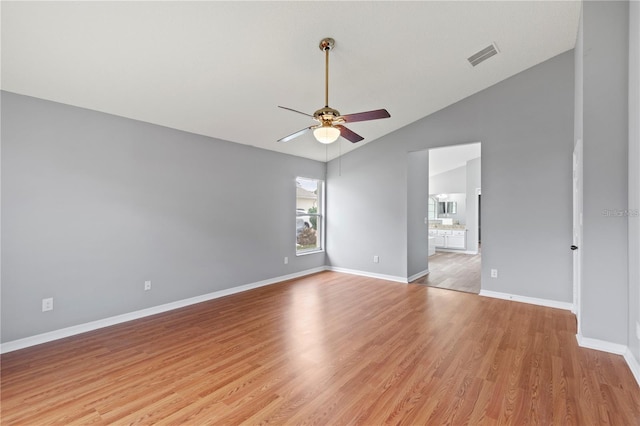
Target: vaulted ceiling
x=448, y=158
x=220, y=69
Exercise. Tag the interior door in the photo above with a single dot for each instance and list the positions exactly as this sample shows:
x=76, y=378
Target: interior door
x=577, y=230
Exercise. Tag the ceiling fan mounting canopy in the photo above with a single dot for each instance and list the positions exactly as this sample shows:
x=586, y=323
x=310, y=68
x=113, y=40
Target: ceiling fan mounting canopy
x=330, y=121
x=327, y=44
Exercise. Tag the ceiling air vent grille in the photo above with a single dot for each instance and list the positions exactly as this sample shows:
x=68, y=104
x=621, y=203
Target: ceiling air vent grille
x=483, y=55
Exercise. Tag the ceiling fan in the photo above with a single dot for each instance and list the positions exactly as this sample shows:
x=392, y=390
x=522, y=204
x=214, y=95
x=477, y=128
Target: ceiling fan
x=330, y=121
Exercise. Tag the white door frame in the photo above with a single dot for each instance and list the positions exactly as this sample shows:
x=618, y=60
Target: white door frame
x=577, y=231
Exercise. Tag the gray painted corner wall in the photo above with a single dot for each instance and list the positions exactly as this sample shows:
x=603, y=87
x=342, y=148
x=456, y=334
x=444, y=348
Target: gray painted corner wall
x=367, y=211
x=93, y=205
x=525, y=124
x=578, y=65
x=604, y=295
x=451, y=181
x=417, y=213
x=634, y=177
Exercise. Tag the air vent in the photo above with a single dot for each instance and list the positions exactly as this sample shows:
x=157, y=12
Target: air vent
x=483, y=55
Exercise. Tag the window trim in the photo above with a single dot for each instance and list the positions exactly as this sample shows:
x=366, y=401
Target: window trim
x=435, y=208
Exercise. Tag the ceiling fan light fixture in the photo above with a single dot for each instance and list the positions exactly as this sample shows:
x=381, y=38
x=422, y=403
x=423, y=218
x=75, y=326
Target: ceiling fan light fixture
x=326, y=134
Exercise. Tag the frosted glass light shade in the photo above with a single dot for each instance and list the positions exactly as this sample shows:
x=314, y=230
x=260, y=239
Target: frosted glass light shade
x=326, y=134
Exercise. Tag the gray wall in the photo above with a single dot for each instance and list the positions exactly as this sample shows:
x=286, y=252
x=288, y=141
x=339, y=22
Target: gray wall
x=417, y=211
x=367, y=211
x=604, y=294
x=93, y=205
x=525, y=126
x=451, y=181
x=578, y=121
x=634, y=176
x=578, y=98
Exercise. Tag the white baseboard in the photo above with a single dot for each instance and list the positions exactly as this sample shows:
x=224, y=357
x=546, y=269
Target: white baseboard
x=614, y=348
x=459, y=251
x=585, y=342
x=633, y=364
x=118, y=319
x=419, y=275
x=444, y=250
x=531, y=300
x=601, y=345
x=369, y=274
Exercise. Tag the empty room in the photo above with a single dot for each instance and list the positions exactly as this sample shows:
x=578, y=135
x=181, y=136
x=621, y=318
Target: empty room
x=223, y=212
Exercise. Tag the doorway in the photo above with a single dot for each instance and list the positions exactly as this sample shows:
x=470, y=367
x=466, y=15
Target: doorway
x=454, y=218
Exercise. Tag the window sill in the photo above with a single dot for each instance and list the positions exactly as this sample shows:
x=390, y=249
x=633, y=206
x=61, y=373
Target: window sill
x=306, y=252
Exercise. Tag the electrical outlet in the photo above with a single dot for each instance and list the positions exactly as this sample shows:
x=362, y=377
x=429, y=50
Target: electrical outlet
x=638, y=330
x=147, y=285
x=286, y=260
x=47, y=304
x=494, y=273
x=376, y=259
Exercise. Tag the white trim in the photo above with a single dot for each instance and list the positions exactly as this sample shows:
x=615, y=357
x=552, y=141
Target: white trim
x=524, y=299
x=418, y=275
x=614, y=348
x=456, y=251
x=369, y=274
x=309, y=251
x=106, y=322
x=633, y=364
x=601, y=345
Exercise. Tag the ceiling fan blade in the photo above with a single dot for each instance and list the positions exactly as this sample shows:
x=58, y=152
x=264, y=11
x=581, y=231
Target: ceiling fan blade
x=365, y=116
x=295, y=135
x=349, y=135
x=294, y=110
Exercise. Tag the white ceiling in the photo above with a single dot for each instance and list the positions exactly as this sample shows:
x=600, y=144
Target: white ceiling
x=451, y=157
x=221, y=68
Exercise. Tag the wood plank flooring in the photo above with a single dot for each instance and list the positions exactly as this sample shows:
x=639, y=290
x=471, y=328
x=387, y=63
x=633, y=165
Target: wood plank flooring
x=454, y=271
x=326, y=349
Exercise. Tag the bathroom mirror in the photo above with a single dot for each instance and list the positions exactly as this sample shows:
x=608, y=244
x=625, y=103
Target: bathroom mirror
x=450, y=205
x=447, y=207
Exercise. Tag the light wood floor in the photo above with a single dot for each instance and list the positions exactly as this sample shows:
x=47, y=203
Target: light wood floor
x=454, y=271
x=326, y=349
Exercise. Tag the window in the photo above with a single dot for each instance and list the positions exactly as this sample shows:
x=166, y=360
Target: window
x=309, y=215
x=432, y=208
